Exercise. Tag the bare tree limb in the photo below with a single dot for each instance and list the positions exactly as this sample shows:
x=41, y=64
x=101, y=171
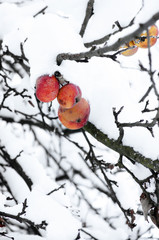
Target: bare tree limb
x=42, y=225
x=16, y=166
x=106, y=38
x=126, y=151
x=89, y=12
x=103, y=138
x=100, y=51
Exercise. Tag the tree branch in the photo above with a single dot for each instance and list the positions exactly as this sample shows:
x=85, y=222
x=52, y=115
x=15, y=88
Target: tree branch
x=103, y=138
x=100, y=51
x=106, y=38
x=89, y=12
x=16, y=166
x=126, y=151
x=42, y=225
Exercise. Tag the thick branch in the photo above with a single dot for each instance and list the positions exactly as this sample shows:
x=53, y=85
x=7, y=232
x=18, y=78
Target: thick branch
x=126, y=151
x=100, y=51
x=110, y=143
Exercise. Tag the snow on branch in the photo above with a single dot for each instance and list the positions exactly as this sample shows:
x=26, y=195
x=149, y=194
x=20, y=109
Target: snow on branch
x=13, y=163
x=101, y=51
x=42, y=225
x=126, y=151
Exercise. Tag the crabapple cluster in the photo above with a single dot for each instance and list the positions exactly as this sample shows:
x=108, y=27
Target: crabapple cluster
x=141, y=42
x=73, y=110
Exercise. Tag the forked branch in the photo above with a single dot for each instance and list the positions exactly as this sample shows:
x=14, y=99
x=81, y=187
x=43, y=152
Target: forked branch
x=114, y=47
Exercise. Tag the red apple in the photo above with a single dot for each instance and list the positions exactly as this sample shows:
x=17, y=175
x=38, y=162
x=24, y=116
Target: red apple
x=75, y=117
x=69, y=95
x=153, y=32
x=47, y=88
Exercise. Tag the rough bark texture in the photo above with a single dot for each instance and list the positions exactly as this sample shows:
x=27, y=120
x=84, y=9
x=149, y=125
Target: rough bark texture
x=126, y=151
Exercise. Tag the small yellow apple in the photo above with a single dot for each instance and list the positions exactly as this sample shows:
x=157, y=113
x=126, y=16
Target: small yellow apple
x=143, y=43
x=130, y=49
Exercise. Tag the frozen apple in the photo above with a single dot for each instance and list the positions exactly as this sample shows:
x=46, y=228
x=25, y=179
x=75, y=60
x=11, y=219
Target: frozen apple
x=47, y=88
x=130, y=49
x=143, y=41
x=69, y=95
x=75, y=117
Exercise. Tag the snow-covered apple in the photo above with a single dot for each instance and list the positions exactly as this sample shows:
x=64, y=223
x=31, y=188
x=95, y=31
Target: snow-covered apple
x=47, y=88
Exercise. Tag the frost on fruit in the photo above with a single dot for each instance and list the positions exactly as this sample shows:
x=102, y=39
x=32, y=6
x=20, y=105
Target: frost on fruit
x=47, y=88
x=75, y=117
x=69, y=95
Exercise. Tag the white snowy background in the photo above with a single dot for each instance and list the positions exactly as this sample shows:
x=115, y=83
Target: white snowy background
x=106, y=85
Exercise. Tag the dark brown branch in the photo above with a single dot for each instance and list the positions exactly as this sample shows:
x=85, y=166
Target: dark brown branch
x=16, y=166
x=106, y=38
x=56, y=189
x=151, y=73
x=123, y=150
x=89, y=234
x=100, y=51
x=28, y=122
x=42, y=225
x=139, y=182
x=103, y=138
x=141, y=123
x=5, y=183
x=41, y=11
x=146, y=94
x=121, y=130
x=22, y=60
